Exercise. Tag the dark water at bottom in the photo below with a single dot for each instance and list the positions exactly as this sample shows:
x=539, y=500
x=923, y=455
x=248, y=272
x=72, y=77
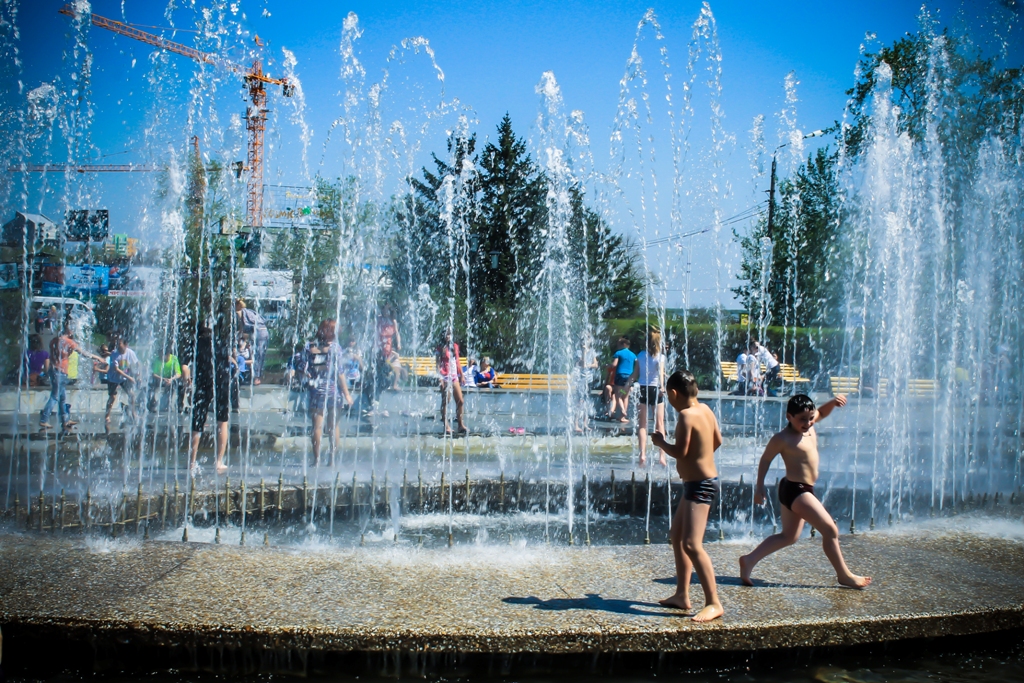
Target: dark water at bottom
x=988, y=658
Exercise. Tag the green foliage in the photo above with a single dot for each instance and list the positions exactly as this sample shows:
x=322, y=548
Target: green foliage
x=791, y=278
x=987, y=98
x=329, y=263
x=480, y=207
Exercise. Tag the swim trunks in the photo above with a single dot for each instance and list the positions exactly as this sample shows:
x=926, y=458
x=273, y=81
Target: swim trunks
x=651, y=395
x=789, y=490
x=702, y=491
x=620, y=379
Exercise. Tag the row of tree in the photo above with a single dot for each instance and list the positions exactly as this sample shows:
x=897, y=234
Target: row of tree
x=467, y=245
x=795, y=275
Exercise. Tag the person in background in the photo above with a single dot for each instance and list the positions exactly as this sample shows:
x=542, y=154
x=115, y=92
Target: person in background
x=353, y=361
x=102, y=366
x=122, y=367
x=649, y=374
x=297, y=384
x=618, y=376
x=470, y=372
x=765, y=357
x=389, y=343
x=252, y=323
x=583, y=377
x=186, y=356
x=748, y=374
x=450, y=373
x=36, y=359
x=741, y=377
x=166, y=372
x=323, y=364
x=239, y=373
x=57, y=367
x=485, y=376
x=211, y=379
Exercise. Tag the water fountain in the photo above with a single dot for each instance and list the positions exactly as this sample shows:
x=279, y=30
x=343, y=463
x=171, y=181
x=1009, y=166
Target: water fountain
x=930, y=319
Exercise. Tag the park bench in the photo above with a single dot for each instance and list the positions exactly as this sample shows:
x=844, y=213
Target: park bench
x=424, y=366
x=925, y=388
x=531, y=382
x=844, y=385
x=921, y=388
x=730, y=371
x=789, y=374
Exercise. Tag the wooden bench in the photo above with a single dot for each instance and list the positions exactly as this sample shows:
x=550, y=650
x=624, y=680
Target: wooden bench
x=531, y=382
x=730, y=371
x=921, y=388
x=926, y=388
x=844, y=385
x=789, y=374
x=424, y=366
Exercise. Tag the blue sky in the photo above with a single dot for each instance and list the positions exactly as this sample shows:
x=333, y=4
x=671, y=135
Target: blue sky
x=492, y=54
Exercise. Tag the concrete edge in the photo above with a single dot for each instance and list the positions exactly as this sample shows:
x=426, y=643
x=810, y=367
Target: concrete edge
x=720, y=637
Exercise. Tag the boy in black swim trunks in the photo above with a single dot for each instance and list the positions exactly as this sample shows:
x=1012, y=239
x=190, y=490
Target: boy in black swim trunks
x=798, y=445
x=697, y=439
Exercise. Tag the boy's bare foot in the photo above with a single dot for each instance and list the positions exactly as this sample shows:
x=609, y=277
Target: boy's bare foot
x=663, y=461
x=745, y=569
x=221, y=468
x=708, y=613
x=854, y=581
x=643, y=460
x=678, y=601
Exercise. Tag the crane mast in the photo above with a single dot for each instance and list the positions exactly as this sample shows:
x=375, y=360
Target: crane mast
x=256, y=112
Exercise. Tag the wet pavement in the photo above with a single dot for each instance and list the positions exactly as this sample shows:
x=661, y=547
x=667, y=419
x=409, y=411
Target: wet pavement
x=498, y=598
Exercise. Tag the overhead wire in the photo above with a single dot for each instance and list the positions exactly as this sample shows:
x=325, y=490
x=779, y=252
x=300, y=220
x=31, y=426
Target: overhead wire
x=743, y=215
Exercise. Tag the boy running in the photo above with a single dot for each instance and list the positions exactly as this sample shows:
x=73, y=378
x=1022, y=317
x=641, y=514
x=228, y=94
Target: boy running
x=697, y=439
x=798, y=445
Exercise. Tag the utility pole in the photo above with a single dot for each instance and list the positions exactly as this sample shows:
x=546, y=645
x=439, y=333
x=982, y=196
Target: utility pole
x=771, y=197
x=771, y=187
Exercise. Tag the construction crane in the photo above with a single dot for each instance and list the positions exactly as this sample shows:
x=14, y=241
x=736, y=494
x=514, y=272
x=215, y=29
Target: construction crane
x=82, y=168
x=255, y=115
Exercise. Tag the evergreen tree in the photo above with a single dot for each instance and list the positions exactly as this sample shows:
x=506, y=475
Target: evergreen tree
x=501, y=214
x=512, y=209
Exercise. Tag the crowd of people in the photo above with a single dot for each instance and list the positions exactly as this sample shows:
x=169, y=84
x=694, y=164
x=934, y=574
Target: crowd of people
x=338, y=382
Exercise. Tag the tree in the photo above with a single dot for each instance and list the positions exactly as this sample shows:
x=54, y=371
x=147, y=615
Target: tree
x=512, y=190
x=802, y=287
x=329, y=262
x=955, y=75
x=495, y=202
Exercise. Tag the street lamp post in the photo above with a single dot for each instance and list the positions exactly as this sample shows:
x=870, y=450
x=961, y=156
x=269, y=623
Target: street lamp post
x=771, y=188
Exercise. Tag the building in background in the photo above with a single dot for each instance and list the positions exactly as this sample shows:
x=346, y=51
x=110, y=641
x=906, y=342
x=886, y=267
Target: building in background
x=32, y=231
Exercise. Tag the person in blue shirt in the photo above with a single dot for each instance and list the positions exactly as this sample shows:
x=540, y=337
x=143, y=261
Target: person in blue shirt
x=618, y=379
x=484, y=375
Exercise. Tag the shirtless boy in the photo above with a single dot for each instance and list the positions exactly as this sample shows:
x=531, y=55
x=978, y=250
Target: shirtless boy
x=697, y=439
x=798, y=445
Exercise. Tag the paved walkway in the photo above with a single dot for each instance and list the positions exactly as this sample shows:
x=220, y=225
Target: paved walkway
x=499, y=599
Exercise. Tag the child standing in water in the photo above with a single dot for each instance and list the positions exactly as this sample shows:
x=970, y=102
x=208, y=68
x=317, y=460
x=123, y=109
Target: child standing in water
x=697, y=439
x=798, y=445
